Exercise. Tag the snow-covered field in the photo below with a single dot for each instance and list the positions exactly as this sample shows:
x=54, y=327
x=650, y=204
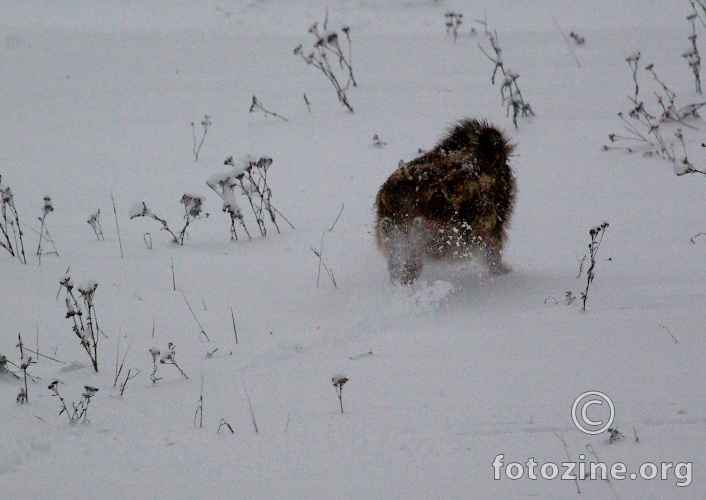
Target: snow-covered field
x=443, y=377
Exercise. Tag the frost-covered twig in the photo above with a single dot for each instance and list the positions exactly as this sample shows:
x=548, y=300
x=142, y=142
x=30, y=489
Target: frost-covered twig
x=327, y=43
x=257, y=106
x=205, y=124
x=169, y=358
x=224, y=185
x=509, y=90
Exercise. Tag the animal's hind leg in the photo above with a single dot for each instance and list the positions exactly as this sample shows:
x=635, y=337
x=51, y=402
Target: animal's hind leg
x=493, y=253
x=404, y=272
x=404, y=251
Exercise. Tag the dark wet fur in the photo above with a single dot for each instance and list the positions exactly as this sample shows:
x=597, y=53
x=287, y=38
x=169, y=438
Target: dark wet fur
x=454, y=201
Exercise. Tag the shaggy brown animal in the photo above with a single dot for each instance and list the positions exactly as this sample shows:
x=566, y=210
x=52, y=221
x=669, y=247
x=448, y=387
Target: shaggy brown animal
x=454, y=201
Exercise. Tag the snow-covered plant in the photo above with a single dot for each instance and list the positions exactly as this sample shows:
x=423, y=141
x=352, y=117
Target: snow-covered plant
x=44, y=230
x=454, y=20
x=327, y=42
x=154, y=352
x=257, y=106
x=193, y=206
x=25, y=362
x=95, y=223
x=225, y=185
x=80, y=410
x=10, y=225
x=168, y=357
x=86, y=330
x=596, y=234
x=205, y=124
x=509, y=89
x=250, y=176
x=338, y=383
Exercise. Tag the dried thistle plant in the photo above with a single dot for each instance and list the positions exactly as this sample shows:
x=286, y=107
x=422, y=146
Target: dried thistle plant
x=95, y=223
x=205, y=124
x=87, y=331
x=338, y=383
x=168, y=357
x=225, y=185
x=596, y=234
x=10, y=225
x=25, y=362
x=454, y=20
x=154, y=352
x=250, y=175
x=44, y=230
x=578, y=39
x=80, y=410
x=193, y=206
x=510, y=93
x=645, y=125
x=257, y=106
x=692, y=56
x=327, y=43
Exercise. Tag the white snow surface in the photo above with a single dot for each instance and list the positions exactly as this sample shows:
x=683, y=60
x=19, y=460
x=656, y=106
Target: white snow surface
x=443, y=376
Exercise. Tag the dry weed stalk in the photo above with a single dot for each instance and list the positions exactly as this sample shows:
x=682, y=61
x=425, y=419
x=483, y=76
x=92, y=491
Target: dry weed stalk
x=327, y=43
